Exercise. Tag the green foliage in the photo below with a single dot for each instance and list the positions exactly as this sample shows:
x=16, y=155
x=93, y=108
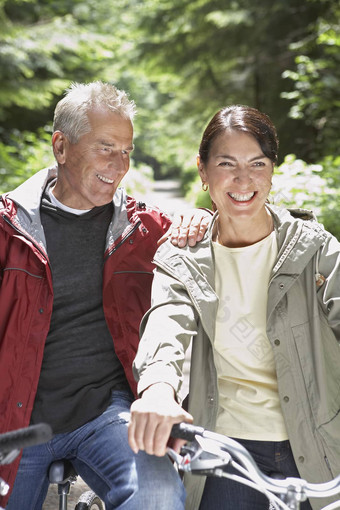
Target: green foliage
x=138, y=180
x=25, y=154
x=43, y=46
x=181, y=60
x=297, y=184
x=204, y=54
x=316, y=77
x=196, y=196
x=314, y=187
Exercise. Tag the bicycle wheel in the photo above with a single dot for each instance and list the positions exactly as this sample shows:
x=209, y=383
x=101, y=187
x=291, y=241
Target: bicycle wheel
x=89, y=501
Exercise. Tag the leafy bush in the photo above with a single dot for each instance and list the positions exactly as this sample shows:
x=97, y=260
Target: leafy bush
x=23, y=155
x=138, y=180
x=315, y=187
x=196, y=196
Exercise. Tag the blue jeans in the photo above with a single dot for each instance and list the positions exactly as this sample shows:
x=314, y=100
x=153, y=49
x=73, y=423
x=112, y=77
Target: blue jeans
x=100, y=453
x=273, y=458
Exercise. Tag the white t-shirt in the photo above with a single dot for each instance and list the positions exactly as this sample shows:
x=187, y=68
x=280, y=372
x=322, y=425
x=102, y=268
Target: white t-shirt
x=249, y=406
x=64, y=207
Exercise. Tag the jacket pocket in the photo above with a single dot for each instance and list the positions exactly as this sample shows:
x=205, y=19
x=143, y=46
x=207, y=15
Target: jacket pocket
x=319, y=357
x=330, y=436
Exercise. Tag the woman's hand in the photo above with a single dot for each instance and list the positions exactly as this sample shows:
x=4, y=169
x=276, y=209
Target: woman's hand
x=152, y=418
x=187, y=227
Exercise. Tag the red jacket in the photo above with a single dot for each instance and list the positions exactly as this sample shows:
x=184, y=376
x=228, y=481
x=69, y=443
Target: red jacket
x=26, y=293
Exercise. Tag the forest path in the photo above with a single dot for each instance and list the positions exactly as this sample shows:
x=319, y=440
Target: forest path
x=166, y=195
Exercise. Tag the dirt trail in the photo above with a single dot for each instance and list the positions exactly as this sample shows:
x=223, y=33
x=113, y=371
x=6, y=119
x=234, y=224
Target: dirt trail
x=167, y=196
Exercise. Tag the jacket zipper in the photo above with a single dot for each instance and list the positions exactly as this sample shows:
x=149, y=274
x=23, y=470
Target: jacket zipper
x=8, y=221
x=122, y=241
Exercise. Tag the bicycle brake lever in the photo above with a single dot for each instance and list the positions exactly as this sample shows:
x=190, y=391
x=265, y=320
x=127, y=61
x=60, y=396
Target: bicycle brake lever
x=181, y=460
x=203, y=458
x=209, y=446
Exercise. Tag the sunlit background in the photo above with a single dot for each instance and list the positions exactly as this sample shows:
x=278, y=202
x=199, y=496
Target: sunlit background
x=180, y=60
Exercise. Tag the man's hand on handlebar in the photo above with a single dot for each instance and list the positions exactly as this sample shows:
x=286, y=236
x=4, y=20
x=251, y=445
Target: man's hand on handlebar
x=152, y=418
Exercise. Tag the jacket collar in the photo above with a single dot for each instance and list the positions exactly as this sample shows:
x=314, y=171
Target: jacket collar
x=299, y=237
x=28, y=195
x=27, y=198
x=294, y=228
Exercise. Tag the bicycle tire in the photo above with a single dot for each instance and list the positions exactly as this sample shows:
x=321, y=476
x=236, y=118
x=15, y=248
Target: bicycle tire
x=89, y=501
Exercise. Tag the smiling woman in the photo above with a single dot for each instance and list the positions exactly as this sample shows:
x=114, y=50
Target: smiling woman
x=236, y=161
x=239, y=178
x=263, y=324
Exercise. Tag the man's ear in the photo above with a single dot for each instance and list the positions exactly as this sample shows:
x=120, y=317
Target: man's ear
x=59, y=144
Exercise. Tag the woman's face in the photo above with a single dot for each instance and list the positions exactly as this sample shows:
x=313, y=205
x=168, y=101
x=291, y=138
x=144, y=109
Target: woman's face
x=238, y=174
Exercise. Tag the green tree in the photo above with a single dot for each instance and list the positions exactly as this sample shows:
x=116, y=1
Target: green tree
x=203, y=54
x=44, y=45
x=181, y=60
x=315, y=99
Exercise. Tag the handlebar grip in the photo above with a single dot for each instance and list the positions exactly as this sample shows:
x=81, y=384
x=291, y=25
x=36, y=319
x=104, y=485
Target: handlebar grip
x=28, y=436
x=186, y=431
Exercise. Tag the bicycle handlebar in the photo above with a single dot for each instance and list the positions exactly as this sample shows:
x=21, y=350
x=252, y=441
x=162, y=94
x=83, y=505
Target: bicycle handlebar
x=21, y=438
x=186, y=431
x=12, y=442
x=223, y=450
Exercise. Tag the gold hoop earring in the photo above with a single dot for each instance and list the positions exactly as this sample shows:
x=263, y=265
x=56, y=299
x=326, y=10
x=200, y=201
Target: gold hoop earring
x=204, y=186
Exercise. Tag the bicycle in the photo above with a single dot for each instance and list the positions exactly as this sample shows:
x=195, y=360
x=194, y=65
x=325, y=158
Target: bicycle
x=209, y=453
x=60, y=472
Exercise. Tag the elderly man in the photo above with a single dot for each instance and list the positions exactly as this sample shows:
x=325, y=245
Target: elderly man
x=75, y=279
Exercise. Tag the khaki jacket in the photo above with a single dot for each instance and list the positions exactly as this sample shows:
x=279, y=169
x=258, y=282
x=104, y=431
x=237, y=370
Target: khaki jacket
x=303, y=326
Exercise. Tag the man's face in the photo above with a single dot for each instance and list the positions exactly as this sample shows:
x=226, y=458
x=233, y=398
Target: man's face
x=90, y=171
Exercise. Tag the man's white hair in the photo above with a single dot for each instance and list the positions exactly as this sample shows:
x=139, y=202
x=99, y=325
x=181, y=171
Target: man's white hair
x=70, y=115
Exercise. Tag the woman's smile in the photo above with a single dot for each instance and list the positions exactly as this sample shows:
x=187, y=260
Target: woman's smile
x=242, y=197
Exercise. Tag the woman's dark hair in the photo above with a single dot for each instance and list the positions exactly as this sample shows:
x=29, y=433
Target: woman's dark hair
x=241, y=118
